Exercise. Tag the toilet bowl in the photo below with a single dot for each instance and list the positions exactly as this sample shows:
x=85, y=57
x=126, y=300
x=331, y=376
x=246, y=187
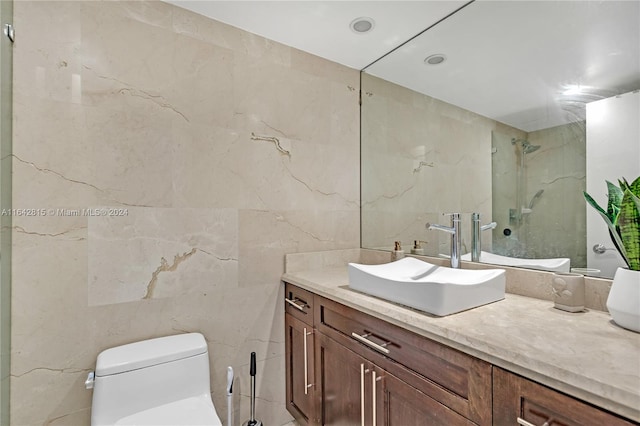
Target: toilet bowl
x=163, y=381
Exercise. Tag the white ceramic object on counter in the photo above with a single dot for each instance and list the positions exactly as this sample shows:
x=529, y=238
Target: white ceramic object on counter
x=624, y=299
x=568, y=291
x=430, y=288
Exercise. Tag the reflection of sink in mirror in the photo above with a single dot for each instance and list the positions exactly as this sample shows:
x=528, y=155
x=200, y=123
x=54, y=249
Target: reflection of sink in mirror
x=561, y=264
x=430, y=288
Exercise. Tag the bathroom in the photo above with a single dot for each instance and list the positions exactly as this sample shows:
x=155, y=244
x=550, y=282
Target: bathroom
x=160, y=165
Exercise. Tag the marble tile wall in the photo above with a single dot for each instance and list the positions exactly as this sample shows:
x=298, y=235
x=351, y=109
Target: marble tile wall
x=144, y=143
x=558, y=229
x=422, y=157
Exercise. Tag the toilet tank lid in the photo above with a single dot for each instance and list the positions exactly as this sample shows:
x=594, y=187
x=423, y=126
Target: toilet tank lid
x=149, y=352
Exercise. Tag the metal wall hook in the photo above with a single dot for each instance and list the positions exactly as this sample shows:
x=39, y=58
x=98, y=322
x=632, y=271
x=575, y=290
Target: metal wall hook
x=10, y=32
x=600, y=248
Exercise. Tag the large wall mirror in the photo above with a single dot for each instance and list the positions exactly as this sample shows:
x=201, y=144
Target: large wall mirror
x=510, y=109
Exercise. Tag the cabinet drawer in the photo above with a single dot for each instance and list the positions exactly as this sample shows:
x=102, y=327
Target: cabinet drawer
x=298, y=303
x=521, y=401
x=451, y=377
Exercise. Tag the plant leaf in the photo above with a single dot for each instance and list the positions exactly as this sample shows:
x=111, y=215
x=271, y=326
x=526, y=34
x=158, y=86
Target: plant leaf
x=593, y=203
x=629, y=223
x=615, y=199
x=635, y=187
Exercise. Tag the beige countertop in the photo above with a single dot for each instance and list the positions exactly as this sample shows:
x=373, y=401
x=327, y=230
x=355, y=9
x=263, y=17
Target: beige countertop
x=584, y=354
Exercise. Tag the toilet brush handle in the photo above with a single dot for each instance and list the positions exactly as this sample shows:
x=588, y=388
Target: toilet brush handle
x=252, y=373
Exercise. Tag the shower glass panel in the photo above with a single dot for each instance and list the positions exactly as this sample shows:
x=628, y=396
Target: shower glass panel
x=545, y=174
x=6, y=63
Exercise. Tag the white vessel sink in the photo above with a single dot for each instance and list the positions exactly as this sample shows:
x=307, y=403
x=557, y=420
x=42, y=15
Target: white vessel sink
x=437, y=290
x=560, y=264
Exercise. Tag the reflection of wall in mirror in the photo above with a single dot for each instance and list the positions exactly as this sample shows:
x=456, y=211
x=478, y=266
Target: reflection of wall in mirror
x=422, y=157
x=613, y=152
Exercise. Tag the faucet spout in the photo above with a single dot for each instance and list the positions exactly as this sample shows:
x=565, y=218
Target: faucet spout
x=476, y=244
x=448, y=229
x=491, y=225
x=456, y=237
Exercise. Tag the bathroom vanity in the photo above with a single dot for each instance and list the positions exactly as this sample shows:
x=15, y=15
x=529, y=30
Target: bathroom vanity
x=355, y=359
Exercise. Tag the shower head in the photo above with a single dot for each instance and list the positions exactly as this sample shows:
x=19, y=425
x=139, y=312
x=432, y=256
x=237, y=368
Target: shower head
x=527, y=148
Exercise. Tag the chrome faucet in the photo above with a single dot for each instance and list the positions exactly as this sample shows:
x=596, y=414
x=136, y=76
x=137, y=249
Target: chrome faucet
x=456, y=237
x=476, y=244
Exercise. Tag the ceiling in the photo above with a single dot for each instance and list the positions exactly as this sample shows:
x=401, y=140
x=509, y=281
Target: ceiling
x=529, y=64
x=523, y=63
x=322, y=27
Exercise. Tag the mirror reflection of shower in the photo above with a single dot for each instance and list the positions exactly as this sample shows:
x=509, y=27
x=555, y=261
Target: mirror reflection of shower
x=517, y=215
x=534, y=198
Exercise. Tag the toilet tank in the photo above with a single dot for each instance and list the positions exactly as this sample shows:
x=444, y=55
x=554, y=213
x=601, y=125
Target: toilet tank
x=143, y=375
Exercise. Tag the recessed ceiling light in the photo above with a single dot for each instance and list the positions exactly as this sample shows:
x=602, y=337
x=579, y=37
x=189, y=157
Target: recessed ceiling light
x=436, y=59
x=362, y=25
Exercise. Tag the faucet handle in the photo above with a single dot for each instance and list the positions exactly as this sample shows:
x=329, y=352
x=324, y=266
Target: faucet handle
x=491, y=225
x=455, y=217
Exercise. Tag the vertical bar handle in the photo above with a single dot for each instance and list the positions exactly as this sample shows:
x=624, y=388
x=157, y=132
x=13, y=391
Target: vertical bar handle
x=373, y=398
x=374, y=378
x=307, y=385
x=362, y=394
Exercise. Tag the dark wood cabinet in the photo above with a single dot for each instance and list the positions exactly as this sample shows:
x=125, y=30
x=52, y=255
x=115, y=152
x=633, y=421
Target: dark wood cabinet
x=299, y=352
x=344, y=367
x=354, y=392
x=400, y=404
x=445, y=375
x=520, y=401
x=344, y=399
x=300, y=377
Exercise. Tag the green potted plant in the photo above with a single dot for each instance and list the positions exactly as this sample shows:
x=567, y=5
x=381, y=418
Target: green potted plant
x=622, y=216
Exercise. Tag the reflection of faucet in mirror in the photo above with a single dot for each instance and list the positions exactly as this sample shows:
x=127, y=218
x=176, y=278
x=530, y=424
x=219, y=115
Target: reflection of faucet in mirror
x=476, y=239
x=456, y=237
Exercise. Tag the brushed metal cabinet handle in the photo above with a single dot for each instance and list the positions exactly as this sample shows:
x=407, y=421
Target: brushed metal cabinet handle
x=307, y=385
x=523, y=422
x=295, y=305
x=371, y=344
x=373, y=398
x=362, y=394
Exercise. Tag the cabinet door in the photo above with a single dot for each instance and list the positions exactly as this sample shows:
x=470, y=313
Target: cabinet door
x=519, y=401
x=344, y=388
x=399, y=404
x=454, y=379
x=300, y=378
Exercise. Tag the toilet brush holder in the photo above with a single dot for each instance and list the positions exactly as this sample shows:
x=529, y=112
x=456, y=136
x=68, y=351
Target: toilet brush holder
x=252, y=372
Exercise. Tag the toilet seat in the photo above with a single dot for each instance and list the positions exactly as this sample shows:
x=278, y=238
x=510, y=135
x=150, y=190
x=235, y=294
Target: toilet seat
x=190, y=411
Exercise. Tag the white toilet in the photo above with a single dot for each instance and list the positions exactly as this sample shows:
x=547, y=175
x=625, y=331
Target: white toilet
x=163, y=381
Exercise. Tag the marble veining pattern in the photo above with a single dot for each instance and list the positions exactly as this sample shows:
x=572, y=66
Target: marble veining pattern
x=195, y=250
x=148, y=108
